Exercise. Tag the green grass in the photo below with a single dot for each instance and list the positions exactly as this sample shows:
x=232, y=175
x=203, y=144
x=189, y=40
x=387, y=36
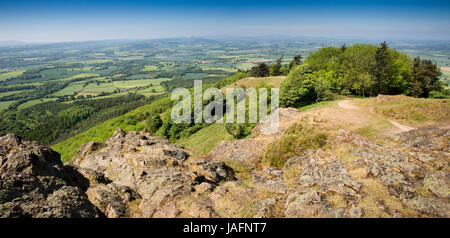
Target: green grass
x=103, y=131
x=150, y=68
x=7, y=75
x=138, y=83
x=415, y=110
x=206, y=139
x=5, y=105
x=148, y=91
x=35, y=102
x=77, y=76
x=318, y=104
x=195, y=76
x=98, y=88
x=73, y=88
x=11, y=93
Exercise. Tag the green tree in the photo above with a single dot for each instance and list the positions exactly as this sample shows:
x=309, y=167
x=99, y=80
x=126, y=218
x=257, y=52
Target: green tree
x=260, y=70
x=154, y=123
x=380, y=71
x=275, y=69
x=425, y=78
x=297, y=60
x=298, y=87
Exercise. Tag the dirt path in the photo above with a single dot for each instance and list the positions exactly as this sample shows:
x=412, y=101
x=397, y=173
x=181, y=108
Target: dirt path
x=346, y=104
x=403, y=128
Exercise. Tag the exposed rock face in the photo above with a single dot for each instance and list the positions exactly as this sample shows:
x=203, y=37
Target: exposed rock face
x=138, y=175
x=35, y=183
x=420, y=161
x=147, y=175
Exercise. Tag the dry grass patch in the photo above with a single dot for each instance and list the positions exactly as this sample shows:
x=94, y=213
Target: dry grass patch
x=377, y=202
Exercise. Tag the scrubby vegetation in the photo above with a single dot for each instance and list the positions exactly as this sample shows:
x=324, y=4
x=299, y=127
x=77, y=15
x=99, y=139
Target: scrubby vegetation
x=363, y=70
x=296, y=139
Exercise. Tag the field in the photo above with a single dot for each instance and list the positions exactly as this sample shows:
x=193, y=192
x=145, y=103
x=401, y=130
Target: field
x=71, y=89
x=34, y=102
x=5, y=105
x=139, y=83
x=7, y=75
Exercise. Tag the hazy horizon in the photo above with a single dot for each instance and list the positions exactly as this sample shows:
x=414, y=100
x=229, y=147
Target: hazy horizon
x=67, y=21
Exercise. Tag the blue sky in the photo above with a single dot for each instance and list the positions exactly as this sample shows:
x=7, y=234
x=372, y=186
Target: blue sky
x=52, y=21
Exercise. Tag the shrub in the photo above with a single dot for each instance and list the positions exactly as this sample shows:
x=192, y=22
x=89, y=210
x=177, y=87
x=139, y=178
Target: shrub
x=296, y=139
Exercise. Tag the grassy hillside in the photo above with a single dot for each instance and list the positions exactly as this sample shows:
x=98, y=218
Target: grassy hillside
x=206, y=139
x=130, y=121
x=134, y=121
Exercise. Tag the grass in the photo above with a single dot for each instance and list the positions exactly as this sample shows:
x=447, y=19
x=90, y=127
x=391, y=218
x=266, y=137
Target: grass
x=415, y=110
x=11, y=93
x=98, y=88
x=77, y=76
x=206, y=139
x=150, y=68
x=103, y=131
x=299, y=137
x=72, y=89
x=5, y=105
x=318, y=105
x=149, y=91
x=12, y=74
x=242, y=171
x=139, y=83
x=35, y=102
x=252, y=82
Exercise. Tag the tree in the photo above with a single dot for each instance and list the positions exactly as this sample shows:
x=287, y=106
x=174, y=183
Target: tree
x=275, y=69
x=297, y=60
x=298, y=87
x=380, y=71
x=154, y=123
x=425, y=78
x=260, y=70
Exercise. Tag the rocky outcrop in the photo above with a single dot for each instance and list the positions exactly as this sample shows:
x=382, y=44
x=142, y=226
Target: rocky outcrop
x=411, y=161
x=35, y=183
x=147, y=175
x=138, y=175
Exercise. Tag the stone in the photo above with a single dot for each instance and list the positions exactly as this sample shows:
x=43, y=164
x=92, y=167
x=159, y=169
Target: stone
x=438, y=183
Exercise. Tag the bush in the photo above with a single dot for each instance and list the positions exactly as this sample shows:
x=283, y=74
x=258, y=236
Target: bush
x=260, y=70
x=294, y=142
x=154, y=123
x=298, y=87
x=438, y=94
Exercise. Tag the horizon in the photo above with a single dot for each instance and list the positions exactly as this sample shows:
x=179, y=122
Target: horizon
x=74, y=21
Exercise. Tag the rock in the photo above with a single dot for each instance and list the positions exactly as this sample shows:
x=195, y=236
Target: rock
x=392, y=168
x=329, y=175
x=33, y=183
x=154, y=171
x=430, y=206
x=270, y=179
x=396, y=214
x=204, y=187
x=425, y=139
x=438, y=182
x=264, y=208
x=306, y=204
x=356, y=212
x=213, y=171
x=244, y=151
x=167, y=211
x=202, y=209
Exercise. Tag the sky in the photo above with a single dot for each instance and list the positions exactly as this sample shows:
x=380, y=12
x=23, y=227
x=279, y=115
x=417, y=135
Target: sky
x=56, y=20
